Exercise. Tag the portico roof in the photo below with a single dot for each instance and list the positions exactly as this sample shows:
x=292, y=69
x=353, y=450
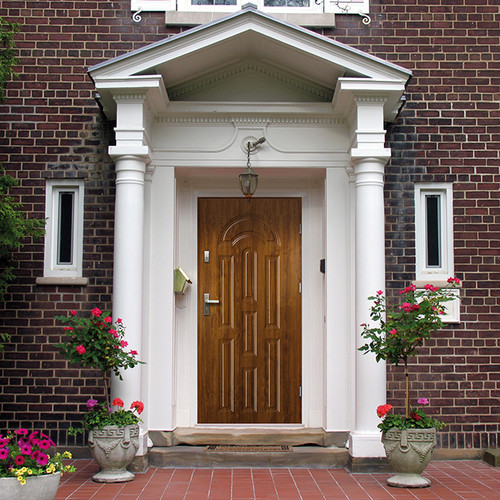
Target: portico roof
x=310, y=60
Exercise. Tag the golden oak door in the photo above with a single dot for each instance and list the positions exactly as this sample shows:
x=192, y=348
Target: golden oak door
x=249, y=343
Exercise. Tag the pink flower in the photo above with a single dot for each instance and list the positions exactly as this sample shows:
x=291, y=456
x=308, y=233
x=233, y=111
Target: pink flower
x=113, y=332
x=80, y=349
x=454, y=280
x=431, y=288
x=108, y=319
x=4, y=453
x=96, y=312
x=73, y=313
x=379, y=292
x=124, y=343
x=21, y=432
x=91, y=403
x=409, y=288
x=119, y=321
x=19, y=460
x=117, y=402
x=44, y=444
x=393, y=331
x=423, y=401
x=133, y=353
x=70, y=328
x=42, y=459
x=26, y=449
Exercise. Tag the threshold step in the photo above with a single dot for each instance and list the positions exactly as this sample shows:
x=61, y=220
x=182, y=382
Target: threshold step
x=200, y=457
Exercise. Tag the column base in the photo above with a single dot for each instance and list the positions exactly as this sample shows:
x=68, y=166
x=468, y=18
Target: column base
x=366, y=444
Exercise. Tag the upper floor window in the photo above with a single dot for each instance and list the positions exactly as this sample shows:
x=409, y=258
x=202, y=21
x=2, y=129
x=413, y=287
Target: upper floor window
x=64, y=230
x=269, y=6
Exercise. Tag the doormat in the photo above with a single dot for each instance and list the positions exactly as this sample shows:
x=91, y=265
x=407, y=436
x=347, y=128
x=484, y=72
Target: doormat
x=250, y=448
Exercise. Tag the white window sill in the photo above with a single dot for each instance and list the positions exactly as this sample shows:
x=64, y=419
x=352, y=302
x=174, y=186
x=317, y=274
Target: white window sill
x=191, y=18
x=62, y=280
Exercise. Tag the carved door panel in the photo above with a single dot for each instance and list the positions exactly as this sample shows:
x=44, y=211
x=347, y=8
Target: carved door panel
x=249, y=344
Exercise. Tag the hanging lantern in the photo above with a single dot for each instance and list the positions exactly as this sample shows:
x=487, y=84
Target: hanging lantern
x=248, y=178
x=248, y=182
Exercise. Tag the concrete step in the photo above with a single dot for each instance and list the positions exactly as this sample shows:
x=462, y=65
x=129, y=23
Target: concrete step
x=199, y=436
x=200, y=457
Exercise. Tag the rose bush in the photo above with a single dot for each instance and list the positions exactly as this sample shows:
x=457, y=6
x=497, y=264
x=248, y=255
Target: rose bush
x=98, y=342
x=397, y=334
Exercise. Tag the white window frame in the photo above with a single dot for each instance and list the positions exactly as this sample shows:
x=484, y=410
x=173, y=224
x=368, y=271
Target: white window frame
x=53, y=269
x=334, y=6
x=436, y=275
x=446, y=268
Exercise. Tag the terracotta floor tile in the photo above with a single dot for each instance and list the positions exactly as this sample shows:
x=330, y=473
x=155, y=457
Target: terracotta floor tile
x=460, y=480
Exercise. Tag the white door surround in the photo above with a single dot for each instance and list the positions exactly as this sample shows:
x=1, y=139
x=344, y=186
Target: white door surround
x=184, y=109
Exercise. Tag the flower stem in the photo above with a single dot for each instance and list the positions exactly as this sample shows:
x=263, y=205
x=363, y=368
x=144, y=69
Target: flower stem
x=407, y=397
x=107, y=394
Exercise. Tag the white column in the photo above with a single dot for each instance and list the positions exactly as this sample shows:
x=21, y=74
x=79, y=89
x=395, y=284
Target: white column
x=338, y=346
x=128, y=266
x=370, y=376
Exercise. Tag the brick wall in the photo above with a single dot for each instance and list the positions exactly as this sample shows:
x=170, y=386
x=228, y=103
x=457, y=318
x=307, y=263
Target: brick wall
x=448, y=131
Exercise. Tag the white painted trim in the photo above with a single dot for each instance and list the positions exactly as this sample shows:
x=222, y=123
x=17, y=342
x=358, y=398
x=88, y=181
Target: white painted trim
x=445, y=192
x=186, y=356
x=53, y=188
x=337, y=6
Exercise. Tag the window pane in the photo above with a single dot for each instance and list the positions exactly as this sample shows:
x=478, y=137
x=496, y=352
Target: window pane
x=286, y=3
x=65, y=233
x=433, y=240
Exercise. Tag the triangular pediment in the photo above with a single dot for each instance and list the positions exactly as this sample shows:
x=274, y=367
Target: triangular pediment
x=250, y=81
x=245, y=57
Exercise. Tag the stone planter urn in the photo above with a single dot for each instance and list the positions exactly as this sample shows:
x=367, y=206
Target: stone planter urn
x=409, y=451
x=42, y=487
x=114, y=448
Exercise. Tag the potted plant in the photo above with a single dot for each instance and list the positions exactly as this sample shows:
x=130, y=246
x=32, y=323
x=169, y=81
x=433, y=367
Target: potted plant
x=26, y=468
x=99, y=342
x=399, y=331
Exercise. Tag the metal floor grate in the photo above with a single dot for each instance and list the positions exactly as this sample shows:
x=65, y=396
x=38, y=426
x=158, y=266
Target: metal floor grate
x=250, y=448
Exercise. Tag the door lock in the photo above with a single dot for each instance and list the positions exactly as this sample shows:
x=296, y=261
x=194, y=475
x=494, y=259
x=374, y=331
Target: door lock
x=206, y=303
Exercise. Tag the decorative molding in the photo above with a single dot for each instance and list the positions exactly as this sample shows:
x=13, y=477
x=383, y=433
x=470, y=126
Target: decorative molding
x=136, y=96
x=311, y=120
x=214, y=79
x=370, y=98
x=136, y=17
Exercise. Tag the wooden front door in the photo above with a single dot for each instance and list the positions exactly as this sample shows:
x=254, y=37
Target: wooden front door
x=249, y=344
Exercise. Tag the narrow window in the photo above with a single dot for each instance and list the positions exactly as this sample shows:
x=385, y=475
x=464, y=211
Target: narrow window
x=433, y=230
x=64, y=228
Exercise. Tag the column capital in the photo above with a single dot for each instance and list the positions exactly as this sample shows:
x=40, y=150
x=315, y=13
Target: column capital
x=382, y=155
x=130, y=152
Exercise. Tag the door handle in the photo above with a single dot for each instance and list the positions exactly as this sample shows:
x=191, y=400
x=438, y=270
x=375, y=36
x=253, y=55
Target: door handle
x=206, y=303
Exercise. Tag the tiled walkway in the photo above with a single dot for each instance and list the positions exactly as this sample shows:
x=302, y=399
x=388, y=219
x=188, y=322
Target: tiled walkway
x=474, y=480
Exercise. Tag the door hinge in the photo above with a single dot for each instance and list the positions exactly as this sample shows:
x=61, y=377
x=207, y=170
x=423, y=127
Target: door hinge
x=300, y=287
x=300, y=391
x=300, y=228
